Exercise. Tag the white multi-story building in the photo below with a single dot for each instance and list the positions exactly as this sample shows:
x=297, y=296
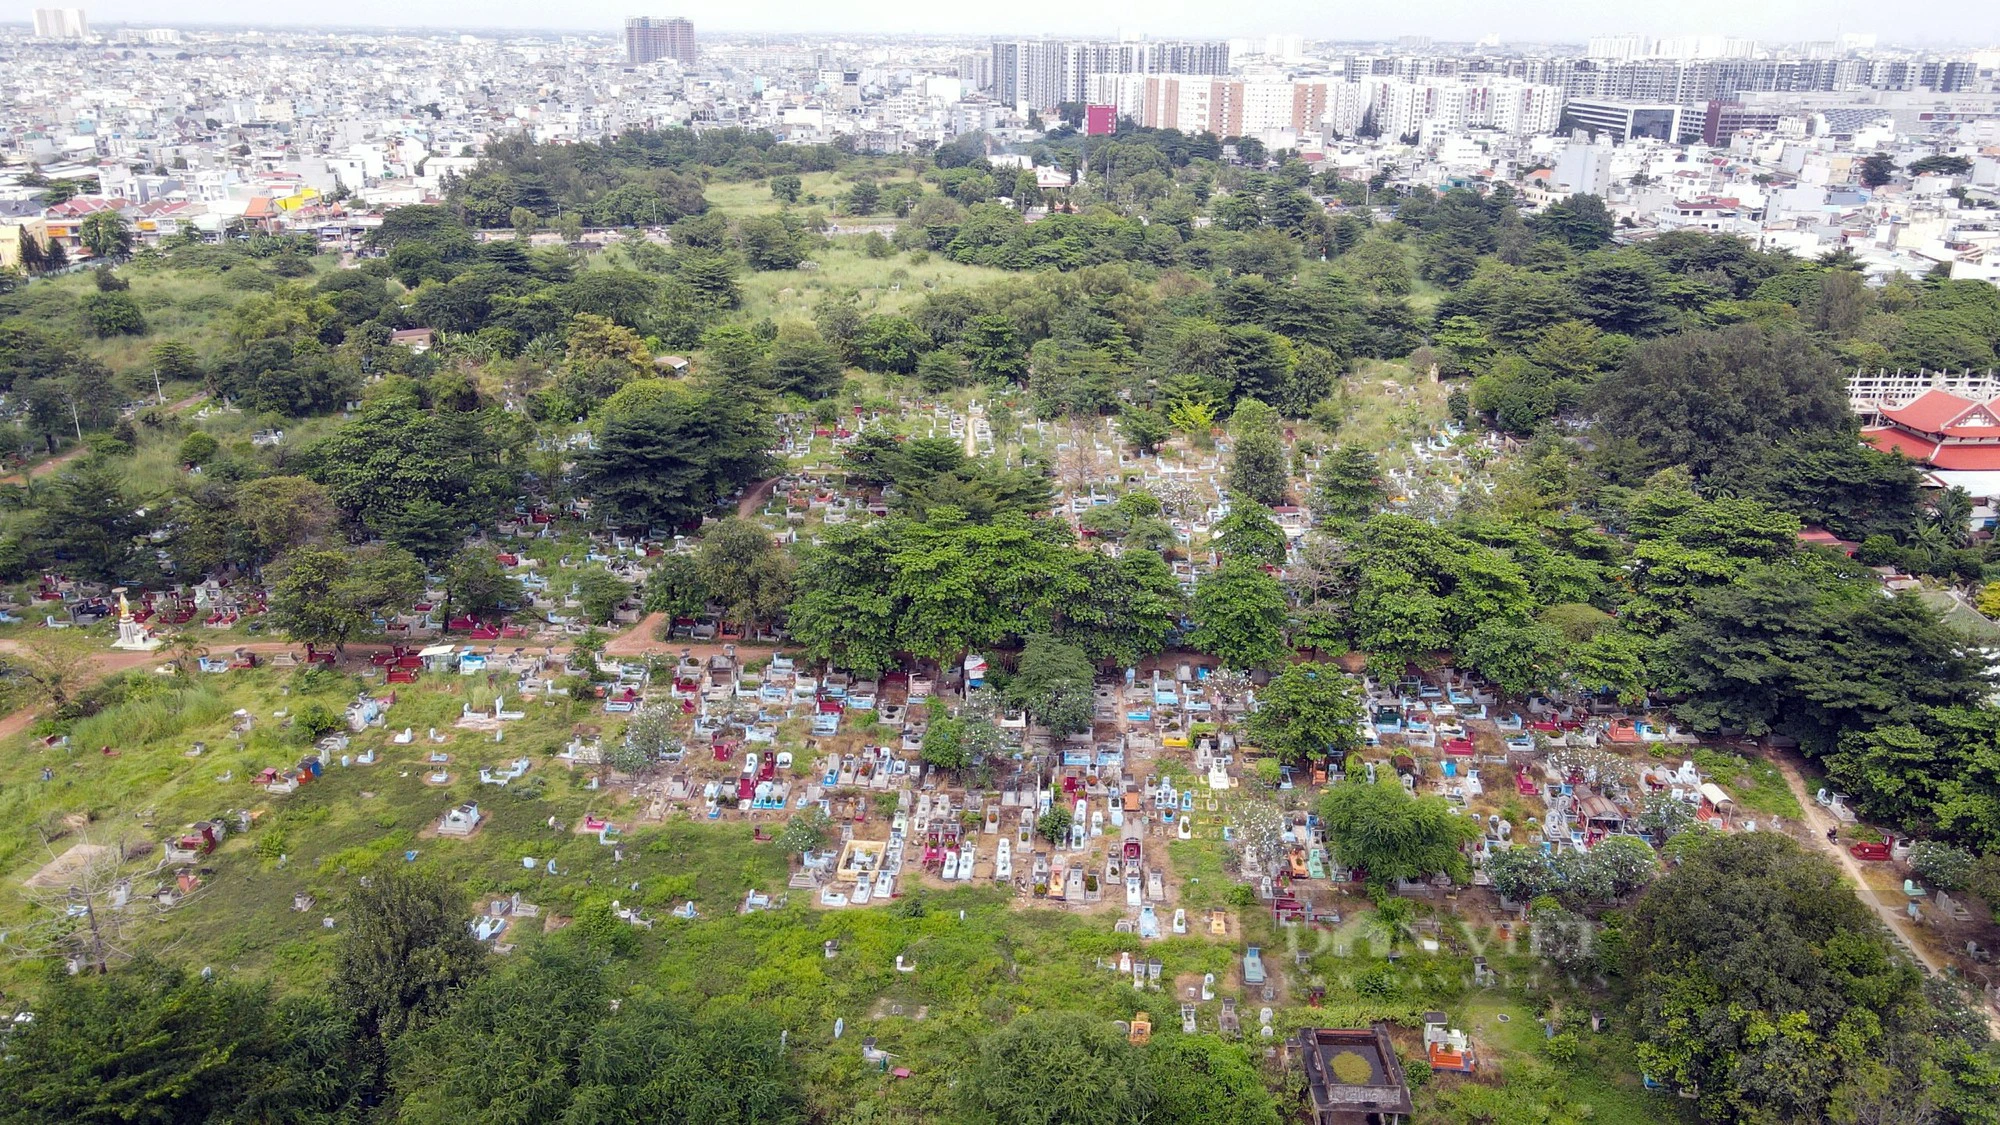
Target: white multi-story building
x=1523, y=109
x=61, y=23
x=1231, y=107
x=1044, y=73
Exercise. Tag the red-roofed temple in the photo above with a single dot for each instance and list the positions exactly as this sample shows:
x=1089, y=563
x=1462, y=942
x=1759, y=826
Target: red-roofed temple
x=1941, y=429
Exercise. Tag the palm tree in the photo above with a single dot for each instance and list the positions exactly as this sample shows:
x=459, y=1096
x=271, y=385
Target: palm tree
x=1951, y=511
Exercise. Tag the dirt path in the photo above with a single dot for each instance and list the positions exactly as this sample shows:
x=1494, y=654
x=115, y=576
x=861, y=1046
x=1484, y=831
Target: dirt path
x=753, y=500
x=638, y=641
x=44, y=468
x=1818, y=821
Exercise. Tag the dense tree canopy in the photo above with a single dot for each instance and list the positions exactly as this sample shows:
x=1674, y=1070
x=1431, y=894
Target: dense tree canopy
x=666, y=460
x=1761, y=983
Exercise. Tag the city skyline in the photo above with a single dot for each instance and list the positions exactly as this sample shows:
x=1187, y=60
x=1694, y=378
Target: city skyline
x=1957, y=24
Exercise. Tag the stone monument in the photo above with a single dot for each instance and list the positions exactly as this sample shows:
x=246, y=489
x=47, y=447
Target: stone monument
x=132, y=636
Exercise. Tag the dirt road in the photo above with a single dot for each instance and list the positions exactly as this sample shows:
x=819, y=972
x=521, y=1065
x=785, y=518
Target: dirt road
x=753, y=500
x=1818, y=821
x=638, y=641
x=112, y=661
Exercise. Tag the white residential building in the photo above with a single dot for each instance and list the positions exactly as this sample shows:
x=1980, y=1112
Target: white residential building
x=61, y=23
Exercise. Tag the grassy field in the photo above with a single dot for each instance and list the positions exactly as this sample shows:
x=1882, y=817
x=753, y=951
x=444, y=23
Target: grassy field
x=737, y=198
x=181, y=305
x=884, y=285
x=1385, y=405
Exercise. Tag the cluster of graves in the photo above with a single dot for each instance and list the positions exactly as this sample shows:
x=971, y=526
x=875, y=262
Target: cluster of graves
x=62, y=602
x=1584, y=768
x=1442, y=468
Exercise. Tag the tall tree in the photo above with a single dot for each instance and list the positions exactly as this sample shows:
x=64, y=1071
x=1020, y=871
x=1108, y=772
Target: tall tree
x=1124, y=608
x=92, y=524
x=1257, y=464
x=1762, y=988
x=105, y=234
x=404, y=949
x=1383, y=830
x=1307, y=711
x=1725, y=404
x=1053, y=1068
x=1349, y=488
x=1239, y=615
x=1249, y=532
x=477, y=586
x=1053, y=682
x=326, y=596
x=150, y=1043
x=668, y=460
x=804, y=364
x=740, y=567
x=413, y=476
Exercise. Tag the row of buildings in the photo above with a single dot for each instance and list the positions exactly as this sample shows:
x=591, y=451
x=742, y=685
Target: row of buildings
x=1626, y=88
x=1310, y=107
x=251, y=129
x=1042, y=74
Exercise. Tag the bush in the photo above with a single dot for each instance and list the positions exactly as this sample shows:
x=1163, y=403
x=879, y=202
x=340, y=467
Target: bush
x=113, y=314
x=314, y=720
x=806, y=832
x=1351, y=1068
x=1378, y=984
x=315, y=678
x=1943, y=866
x=1268, y=771
x=198, y=449
x=1054, y=824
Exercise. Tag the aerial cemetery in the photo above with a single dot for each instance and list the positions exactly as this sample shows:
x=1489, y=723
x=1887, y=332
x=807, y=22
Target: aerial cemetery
x=1230, y=684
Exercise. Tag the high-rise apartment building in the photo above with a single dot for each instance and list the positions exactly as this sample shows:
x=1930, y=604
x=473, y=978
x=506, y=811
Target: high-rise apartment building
x=1696, y=82
x=648, y=40
x=976, y=70
x=61, y=23
x=1231, y=107
x=1041, y=74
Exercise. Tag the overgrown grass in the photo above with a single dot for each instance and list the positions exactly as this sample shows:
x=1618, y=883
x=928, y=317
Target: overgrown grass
x=178, y=304
x=1384, y=405
x=1756, y=784
x=884, y=285
x=816, y=189
x=161, y=718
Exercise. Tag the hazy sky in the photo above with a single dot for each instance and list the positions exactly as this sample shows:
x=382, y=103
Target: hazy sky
x=1966, y=22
